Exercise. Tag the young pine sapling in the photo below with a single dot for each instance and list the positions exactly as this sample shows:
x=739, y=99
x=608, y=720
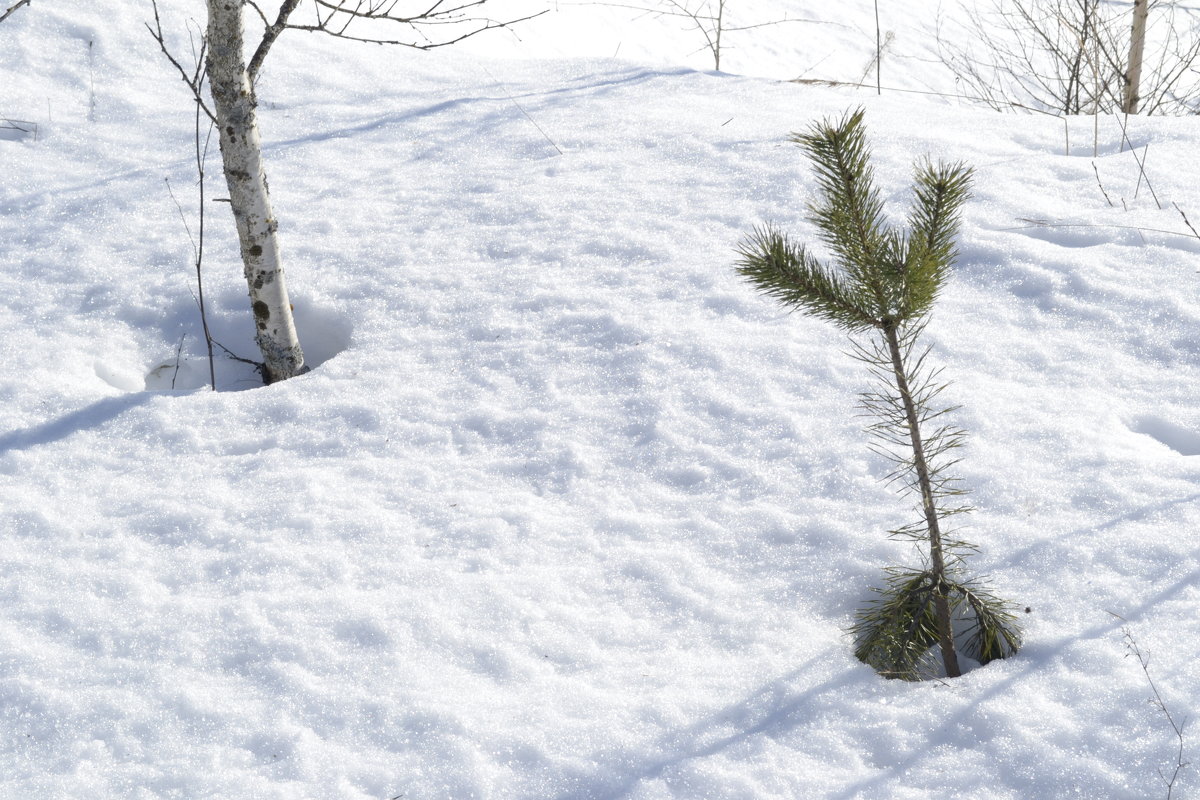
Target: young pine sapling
x=881, y=291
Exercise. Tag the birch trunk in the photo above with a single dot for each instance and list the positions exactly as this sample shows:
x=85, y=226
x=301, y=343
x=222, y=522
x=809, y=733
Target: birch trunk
x=241, y=156
x=1137, y=43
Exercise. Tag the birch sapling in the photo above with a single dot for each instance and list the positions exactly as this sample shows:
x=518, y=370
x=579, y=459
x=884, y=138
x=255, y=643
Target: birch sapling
x=231, y=82
x=241, y=155
x=881, y=291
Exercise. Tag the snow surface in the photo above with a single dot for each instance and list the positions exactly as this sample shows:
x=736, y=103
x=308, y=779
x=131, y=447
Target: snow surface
x=566, y=510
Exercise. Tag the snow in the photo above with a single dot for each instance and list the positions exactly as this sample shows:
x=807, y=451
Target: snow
x=565, y=510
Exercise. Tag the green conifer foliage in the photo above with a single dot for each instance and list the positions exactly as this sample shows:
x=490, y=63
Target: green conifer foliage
x=881, y=288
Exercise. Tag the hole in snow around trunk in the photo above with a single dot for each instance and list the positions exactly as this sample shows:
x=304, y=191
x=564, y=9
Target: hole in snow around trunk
x=323, y=334
x=1182, y=440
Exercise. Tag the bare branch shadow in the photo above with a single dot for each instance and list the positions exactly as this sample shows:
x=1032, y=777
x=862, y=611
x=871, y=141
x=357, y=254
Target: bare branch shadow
x=771, y=710
x=86, y=418
x=1028, y=667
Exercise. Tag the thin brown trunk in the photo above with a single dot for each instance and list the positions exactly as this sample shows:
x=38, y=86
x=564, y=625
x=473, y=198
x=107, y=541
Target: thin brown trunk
x=928, y=505
x=878, y=54
x=1133, y=74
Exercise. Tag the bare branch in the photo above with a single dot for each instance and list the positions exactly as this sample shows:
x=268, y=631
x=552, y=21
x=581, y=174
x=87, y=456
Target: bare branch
x=382, y=10
x=1068, y=56
x=1185, y=220
x=1143, y=659
x=13, y=8
x=266, y=23
x=195, y=80
x=340, y=14
x=711, y=25
x=1043, y=223
x=1101, y=185
x=269, y=36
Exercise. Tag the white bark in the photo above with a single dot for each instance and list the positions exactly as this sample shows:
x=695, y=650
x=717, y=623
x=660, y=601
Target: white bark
x=241, y=155
x=1137, y=42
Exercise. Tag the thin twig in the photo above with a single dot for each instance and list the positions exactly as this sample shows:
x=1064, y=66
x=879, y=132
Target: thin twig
x=523, y=111
x=1041, y=223
x=13, y=8
x=201, y=159
x=198, y=246
x=878, y=53
x=258, y=365
x=930, y=93
x=1143, y=659
x=178, y=356
x=1141, y=162
x=182, y=215
x=1185, y=220
x=339, y=15
x=1101, y=185
x=193, y=80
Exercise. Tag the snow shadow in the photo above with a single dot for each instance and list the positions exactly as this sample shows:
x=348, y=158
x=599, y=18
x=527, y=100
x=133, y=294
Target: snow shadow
x=1049, y=546
x=1182, y=440
x=772, y=710
x=494, y=109
x=1034, y=659
x=17, y=130
x=90, y=417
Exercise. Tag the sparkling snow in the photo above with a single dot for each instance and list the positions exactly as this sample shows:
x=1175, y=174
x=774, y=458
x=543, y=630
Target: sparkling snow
x=566, y=510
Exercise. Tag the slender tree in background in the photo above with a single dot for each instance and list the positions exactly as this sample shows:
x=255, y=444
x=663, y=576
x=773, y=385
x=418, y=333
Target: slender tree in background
x=884, y=284
x=709, y=17
x=231, y=80
x=1137, y=46
x=1071, y=57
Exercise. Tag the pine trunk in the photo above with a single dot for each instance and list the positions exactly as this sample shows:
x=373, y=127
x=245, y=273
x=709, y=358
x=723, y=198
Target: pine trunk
x=241, y=156
x=928, y=504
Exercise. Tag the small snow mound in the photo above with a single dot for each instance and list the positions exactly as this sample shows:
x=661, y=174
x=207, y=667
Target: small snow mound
x=119, y=376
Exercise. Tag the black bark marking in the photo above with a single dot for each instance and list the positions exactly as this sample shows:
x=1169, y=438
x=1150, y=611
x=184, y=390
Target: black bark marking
x=261, y=314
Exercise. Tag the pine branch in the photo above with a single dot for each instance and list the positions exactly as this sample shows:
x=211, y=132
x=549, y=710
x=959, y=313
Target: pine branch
x=940, y=192
x=849, y=214
x=780, y=269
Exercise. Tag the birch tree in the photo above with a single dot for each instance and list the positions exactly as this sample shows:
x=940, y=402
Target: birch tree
x=233, y=110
